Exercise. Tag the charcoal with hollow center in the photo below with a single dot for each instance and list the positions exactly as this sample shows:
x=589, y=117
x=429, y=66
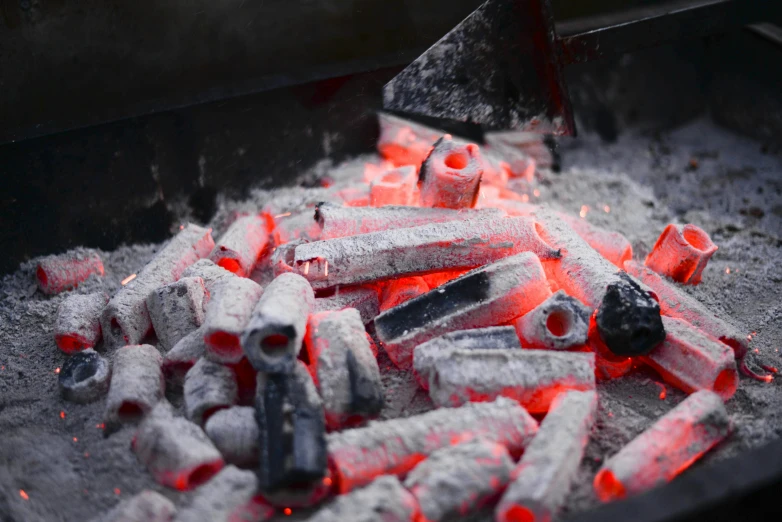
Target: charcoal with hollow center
x=691, y=360
x=234, y=431
x=174, y=450
x=275, y=332
x=230, y=496
x=55, y=274
x=457, y=480
x=546, y=471
x=426, y=355
x=337, y=221
x=344, y=368
x=487, y=296
x=84, y=377
x=558, y=323
x=78, y=321
x=418, y=250
x=239, y=248
x=384, y=500
x=137, y=384
x=125, y=320
x=681, y=253
x=177, y=309
x=209, y=386
x=395, y=446
x=451, y=175
x=531, y=377
x=668, y=447
x=147, y=506
x=397, y=291
x=183, y=356
x=227, y=314
x=362, y=298
x=209, y=272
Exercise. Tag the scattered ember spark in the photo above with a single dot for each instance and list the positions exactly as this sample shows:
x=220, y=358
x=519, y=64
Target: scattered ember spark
x=75, y=439
x=128, y=279
x=610, y=414
x=181, y=227
x=524, y=198
x=727, y=270
x=100, y=426
x=483, y=194
x=57, y=370
x=536, y=193
x=326, y=269
x=327, y=481
x=287, y=511
x=772, y=369
x=86, y=454
x=23, y=494
x=584, y=211
x=117, y=491
x=2, y=367
x=282, y=215
x=663, y=391
x=749, y=337
x=756, y=350
x=606, y=209
x=306, y=268
x=62, y=414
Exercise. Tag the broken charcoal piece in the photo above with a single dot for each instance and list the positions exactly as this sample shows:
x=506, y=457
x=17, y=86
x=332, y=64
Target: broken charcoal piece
x=208, y=387
x=548, y=468
x=147, y=506
x=177, y=309
x=343, y=367
x=395, y=187
x=398, y=291
x=357, y=456
x=292, y=430
x=628, y=319
x=282, y=258
x=427, y=354
x=681, y=253
x=125, y=320
x=362, y=298
x=183, y=356
x=384, y=500
x=457, y=480
x=209, y=272
x=531, y=377
x=691, y=360
x=451, y=175
x=558, y=323
x=230, y=496
x=137, y=384
x=404, y=142
x=487, y=296
x=176, y=452
x=668, y=447
x=227, y=314
x=55, y=274
x=239, y=248
x=78, y=322
x=84, y=377
x=611, y=245
x=337, y=221
x=275, y=332
x=234, y=432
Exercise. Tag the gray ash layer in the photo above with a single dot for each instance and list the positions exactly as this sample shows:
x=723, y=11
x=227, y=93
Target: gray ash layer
x=735, y=194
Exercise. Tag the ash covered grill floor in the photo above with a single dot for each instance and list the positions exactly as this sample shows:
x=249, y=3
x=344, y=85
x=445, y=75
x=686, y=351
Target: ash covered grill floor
x=56, y=453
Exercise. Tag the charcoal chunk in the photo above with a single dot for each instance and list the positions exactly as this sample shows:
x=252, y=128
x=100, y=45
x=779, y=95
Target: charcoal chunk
x=84, y=377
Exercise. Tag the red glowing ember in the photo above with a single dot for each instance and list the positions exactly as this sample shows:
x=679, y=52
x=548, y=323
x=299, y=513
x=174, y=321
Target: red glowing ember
x=681, y=253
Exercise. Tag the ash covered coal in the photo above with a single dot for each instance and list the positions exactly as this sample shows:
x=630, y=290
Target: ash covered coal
x=56, y=454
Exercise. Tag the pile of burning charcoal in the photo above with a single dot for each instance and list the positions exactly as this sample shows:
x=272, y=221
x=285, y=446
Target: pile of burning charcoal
x=507, y=312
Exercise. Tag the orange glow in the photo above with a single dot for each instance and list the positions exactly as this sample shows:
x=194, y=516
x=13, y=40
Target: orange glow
x=75, y=439
x=117, y=491
x=230, y=264
x=286, y=214
x=517, y=514
x=584, y=211
x=327, y=481
x=287, y=511
x=62, y=414
x=100, y=426
x=525, y=198
x=86, y=454
x=326, y=269
x=727, y=270
x=606, y=209
x=306, y=268
x=24, y=494
x=536, y=193
x=663, y=392
x=128, y=279
x=57, y=370
x=608, y=487
x=681, y=253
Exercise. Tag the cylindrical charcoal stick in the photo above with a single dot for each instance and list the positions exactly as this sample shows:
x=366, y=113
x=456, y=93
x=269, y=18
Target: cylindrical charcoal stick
x=451, y=175
x=691, y=360
x=282, y=258
x=457, y=480
x=149, y=506
x=398, y=291
x=78, y=322
x=137, y=384
x=395, y=187
x=274, y=334
x=227, y=314
x=384, y=500
x=362, y=298
x=668, y=447
x=404, y=142
x=558, y=323
x=611, y=245
x=681, y=253
x=125, y=320
x=543, y=477
x=84, y=377
x=234, y=431
x=209, y=272
x=209, y=387
x=358, y=456
x=628, y=317
x=531, y=377
x=231, y=496
x=338, y=221
x=427, y=354
x=177, y=309
x=239, y=248
x=56, y=274
x=176, y=452
x=343, y=367
x=184, y=355
x=487, y=296
x=299, y=225
x=419, y=250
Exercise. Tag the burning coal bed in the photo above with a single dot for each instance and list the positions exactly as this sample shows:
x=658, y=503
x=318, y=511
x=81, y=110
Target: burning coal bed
x=422, y=338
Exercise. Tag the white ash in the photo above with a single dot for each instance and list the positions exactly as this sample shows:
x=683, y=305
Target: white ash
x=234, y=431
x=147, y=506
x=208, y=386
x=177, y=309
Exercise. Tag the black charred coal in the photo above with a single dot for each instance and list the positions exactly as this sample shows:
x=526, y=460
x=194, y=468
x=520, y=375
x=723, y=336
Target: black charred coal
x=292, y=430
x=366, y=398
x=84, y=377
x=628, y=319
